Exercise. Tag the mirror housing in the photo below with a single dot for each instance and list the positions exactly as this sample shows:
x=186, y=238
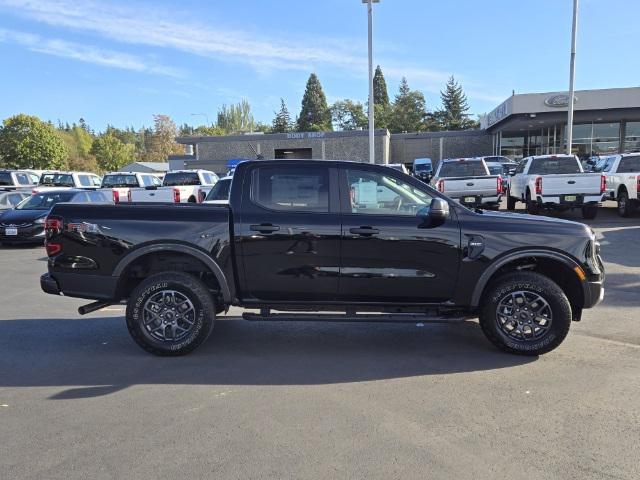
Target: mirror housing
x=439, y=210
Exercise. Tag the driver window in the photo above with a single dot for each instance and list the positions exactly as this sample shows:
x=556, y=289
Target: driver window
x=375, y=193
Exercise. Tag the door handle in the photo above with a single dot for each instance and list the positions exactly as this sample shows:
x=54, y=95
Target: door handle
x=264, y=228
x=571, y=182
x=364, y=231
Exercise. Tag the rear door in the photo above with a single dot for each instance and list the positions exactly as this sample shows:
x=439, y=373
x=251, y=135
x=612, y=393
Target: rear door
x=390, y=251
x=288, y=232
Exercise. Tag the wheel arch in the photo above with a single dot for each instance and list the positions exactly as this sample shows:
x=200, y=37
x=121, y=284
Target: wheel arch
x=555, y=265
x=176, y=248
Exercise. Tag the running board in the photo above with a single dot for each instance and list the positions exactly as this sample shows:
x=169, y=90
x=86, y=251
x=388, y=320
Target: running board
x=363, y=317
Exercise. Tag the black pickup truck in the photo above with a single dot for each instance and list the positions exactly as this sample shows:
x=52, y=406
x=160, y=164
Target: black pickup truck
x=324, y=237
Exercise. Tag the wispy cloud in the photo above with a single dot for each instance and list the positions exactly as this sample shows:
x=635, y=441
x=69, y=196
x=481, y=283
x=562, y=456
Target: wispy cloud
x=85, y=53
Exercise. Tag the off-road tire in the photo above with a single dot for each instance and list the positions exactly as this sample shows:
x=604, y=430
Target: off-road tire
x=589, y=212
x=531, y=282
x=204, y=310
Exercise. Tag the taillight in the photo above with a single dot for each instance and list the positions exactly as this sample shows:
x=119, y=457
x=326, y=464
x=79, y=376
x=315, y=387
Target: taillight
x=34, y=191
x=638, y=184
x=440, y=186
x=176, y=195
x=539, y=186
x=129, y=196
x=52, y=248
x=201, y=196
x=52, y=226
x=603, y=184
x=499, y=188
x=116, y=196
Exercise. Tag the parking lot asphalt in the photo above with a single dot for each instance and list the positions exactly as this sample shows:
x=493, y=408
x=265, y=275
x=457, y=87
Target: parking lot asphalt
x=78, y=399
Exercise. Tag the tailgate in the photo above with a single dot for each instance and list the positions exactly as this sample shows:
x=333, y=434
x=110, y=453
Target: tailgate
x=160, y=194
x=472, y=186
x=570, y=183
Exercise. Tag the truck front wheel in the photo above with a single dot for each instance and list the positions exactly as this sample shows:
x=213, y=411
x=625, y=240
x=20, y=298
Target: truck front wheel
x=525, y=313
x=625, y=207
x=511, y=202
x=170, y=314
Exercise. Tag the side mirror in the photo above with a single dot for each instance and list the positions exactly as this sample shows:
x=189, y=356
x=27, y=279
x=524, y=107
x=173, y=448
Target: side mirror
x=439, y=210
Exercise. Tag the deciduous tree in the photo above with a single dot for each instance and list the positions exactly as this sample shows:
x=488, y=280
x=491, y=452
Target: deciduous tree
x=348, y=115
x=111, y=153
x=28, y=142
x=409, y=112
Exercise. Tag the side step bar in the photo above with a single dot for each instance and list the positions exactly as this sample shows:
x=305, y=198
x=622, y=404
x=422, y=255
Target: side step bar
x=341, y=317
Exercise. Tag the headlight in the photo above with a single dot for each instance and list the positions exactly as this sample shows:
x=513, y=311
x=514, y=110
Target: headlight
x=40, y=221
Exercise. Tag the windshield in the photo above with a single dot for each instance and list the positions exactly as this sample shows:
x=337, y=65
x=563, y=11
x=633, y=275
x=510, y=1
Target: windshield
x=220, y=190
x=57, y=180
x=422, y=167
x=5, y=179
x=556, y=165
x=45, y=200
x=116, y=181
x=181, y=178
x=463, y=168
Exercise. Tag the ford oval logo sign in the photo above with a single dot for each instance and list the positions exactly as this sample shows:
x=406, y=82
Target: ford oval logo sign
x=558, y=101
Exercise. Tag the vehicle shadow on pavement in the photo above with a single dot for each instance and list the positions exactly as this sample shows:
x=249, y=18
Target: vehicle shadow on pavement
x=95, y=357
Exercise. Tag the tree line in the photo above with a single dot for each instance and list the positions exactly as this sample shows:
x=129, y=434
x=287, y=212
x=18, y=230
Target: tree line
x=28, y=142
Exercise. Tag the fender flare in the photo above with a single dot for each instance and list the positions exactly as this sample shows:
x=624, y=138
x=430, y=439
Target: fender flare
x=178, y=248
x=486, y=276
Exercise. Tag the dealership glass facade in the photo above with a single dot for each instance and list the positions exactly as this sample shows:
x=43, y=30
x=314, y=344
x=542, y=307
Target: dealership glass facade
x=632, y=137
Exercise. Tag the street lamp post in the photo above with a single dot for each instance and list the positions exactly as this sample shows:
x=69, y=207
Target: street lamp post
x=372, y=157
x=572, y=72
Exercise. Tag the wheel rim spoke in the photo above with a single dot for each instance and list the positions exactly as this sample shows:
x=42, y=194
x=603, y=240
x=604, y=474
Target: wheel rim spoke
x=168, y=315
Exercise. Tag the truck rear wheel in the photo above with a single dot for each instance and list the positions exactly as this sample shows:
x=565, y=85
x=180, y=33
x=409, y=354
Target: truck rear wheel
x=525, y=313
x=511, y=202
x=589, y=212
x=170, y=314
x=625, y=207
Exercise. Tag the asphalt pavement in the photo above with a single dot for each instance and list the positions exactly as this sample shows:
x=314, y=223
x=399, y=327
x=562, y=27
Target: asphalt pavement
x=78, y=399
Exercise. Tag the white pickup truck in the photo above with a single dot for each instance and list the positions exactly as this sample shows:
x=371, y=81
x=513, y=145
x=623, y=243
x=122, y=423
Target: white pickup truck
x=179, y=186
x=118, y=185
x=62, y=180
x=555, y=182
x=623, y=180
x=468, y=181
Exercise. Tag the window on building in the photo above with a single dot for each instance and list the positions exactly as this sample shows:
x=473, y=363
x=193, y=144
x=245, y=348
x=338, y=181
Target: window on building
x=632, y=137
x=605, y=138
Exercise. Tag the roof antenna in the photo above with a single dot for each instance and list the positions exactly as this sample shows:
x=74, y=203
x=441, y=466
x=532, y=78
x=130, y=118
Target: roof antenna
x=258, y=155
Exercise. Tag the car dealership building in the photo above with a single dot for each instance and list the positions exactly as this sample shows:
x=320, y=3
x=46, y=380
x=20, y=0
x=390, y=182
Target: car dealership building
x=605, y=121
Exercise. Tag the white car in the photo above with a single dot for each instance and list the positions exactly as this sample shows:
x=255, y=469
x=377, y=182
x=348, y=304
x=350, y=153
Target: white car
x=120, y=184
x=178, y=186
x=220, y=192
x=555, y=182
x=58, y=180
x=468, y=181
x=17, y=180
x=623, y=180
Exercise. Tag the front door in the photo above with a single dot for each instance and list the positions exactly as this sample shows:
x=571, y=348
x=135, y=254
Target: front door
x=390, y=250
x=289, y=233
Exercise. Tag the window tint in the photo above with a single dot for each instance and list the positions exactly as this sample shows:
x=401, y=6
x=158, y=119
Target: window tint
x=604, y=164
x=378, y=194
x=85, y=181
x=34, y=178
x=462, y=168
x=495, y=168
x=15, y=198
x=23, y=179
x=97, y=181
x=174, y=179
x=80, y=198
x=220, y=190
x=57, y=180
x=147, y=180
x=209, y=178
x=629, y=164
x=5, y=179
x=99, y=197
x=521, y=166
x=119, y=180
x=558, y=165
x=45, y=200
x=303, y=189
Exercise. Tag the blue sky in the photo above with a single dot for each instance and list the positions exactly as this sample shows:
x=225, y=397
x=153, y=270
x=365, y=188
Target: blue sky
x=121, y=62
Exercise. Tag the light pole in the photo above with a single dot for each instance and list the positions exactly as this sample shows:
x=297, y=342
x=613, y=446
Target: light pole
x=372, y=157
x=204, y=115
x=572, y=72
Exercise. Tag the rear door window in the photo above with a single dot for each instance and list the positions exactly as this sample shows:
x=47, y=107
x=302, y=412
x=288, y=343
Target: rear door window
x=23, y=179
x=85, y=181
x=629, y=164
x=295, y=189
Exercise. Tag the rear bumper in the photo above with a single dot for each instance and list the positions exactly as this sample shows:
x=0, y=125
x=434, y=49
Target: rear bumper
x=93, y=287
x=560, y=202
x=478, y=200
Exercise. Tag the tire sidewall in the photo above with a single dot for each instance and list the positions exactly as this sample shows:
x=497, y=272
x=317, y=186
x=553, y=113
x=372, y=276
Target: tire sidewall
x=136, y=324
x=561, y=318
x=623, y=211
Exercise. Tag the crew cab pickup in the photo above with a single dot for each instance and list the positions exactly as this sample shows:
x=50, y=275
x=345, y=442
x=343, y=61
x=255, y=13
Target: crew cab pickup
x=17, y=180
x=555, y=182
x=58, y=180
x=179, y=186
x=623, y=180
x=119, y=185
x=469, y=181
x=324, y=236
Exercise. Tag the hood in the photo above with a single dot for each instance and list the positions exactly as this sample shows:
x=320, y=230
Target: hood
x=18, y=217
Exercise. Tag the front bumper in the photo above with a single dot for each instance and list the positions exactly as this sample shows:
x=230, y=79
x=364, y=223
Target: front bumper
x=31, y=234
x=594, y=293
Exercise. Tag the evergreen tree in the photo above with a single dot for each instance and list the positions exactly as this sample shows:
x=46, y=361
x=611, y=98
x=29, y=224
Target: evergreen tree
x=408, y=112
x=282, y=121
x=315, y=115
x=455, y=107
x=380, y=95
